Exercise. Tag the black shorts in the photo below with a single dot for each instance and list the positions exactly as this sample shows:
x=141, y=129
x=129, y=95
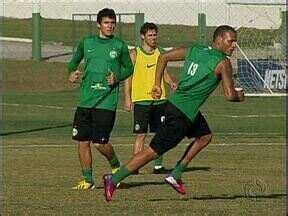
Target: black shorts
x=93, y=125
x=148, y=115
x=175, y=128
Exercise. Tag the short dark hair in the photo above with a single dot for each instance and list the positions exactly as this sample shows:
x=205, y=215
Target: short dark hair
x=220, y=30
x=106, y=12
x=148, y=26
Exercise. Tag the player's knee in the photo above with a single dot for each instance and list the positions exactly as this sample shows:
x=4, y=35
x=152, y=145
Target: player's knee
x=141, y=137
x=99, y=144
x=152, y=154
x=206, y=139
x=84, y=145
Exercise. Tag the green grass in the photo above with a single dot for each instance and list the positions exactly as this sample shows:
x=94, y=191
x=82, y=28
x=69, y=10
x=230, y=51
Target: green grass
x=39, y=183
x=69, y=33
x=244, y=177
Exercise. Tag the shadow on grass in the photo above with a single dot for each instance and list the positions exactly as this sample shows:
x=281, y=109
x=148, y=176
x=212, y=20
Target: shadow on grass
x=226, y=197
x=199, y=168
x=124, y=185
x=35, y=130
x=57, y=55
x=140, y=184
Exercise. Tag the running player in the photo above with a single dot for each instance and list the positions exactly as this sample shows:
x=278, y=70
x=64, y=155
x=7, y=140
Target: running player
x=204, y=68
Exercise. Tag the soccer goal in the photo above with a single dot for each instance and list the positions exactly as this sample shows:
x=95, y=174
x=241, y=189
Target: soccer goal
x=260, y=60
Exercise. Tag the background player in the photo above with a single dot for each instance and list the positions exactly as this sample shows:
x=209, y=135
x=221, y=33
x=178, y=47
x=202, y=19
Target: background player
x=147, y=111
x=104, y=56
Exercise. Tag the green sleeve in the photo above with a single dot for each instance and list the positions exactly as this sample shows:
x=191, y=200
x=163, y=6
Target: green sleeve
x=77, y=57
x=126, y=63
x=162, y=50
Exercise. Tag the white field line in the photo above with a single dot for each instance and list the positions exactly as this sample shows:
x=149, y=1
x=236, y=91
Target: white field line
x=250, y=116
x=266, y=95
x=244, y=133
x=120, y=110
x=29, y=40
x=38, y=105
x=23, y=40
x=125, y=145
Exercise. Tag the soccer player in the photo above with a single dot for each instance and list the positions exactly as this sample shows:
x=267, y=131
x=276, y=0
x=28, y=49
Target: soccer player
x=204, y=68
x=106, y=62
x=147, y=111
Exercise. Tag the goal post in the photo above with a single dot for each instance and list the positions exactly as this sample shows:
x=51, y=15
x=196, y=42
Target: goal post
x=260, y=61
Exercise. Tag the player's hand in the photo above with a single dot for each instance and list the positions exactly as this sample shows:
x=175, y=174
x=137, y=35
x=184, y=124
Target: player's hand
x=111, y=79
x=128, y=105
x=75, y=77
x=173, y=85
x=156, y=92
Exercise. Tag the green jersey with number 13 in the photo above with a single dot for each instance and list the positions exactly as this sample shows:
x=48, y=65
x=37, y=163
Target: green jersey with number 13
x=198, y=79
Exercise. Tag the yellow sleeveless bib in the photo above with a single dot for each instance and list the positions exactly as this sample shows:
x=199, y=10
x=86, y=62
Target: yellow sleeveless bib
x=144, y=76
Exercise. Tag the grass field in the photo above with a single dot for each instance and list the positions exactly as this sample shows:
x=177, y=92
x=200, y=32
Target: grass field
x=57, y=30
x=242, y=172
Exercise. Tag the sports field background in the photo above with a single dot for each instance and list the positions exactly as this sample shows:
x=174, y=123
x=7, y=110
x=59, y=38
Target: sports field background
x=61, y=31
x=242, y=172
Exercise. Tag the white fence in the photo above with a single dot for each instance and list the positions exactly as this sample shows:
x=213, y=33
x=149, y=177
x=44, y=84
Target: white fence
x=161, y=12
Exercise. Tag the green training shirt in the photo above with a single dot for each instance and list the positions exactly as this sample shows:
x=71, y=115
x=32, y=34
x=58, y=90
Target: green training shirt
x=101, y=55
x=198, y=79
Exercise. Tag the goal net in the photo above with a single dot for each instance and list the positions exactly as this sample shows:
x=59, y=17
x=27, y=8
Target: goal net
x=260, y=60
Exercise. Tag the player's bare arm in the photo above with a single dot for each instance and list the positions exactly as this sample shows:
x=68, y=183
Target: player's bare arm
x=75, y=77
x=176, y=54
x=224, y=71
x=128, y=85
x=127, y=94
x=167, y=78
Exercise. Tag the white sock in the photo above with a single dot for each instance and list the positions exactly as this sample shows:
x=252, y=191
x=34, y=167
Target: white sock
x=157, y=167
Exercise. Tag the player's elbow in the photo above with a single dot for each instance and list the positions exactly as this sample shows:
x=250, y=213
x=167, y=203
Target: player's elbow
x=163, y=59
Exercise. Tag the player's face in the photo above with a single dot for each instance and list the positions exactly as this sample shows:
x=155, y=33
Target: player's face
x=228, y=41
x=107, y=26
x=150, y=38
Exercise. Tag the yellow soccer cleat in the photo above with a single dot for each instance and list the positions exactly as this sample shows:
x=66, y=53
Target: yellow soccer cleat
x=114, y=171
x=83, y=185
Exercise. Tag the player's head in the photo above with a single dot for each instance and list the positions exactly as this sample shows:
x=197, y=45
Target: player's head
x=106, y=21
x=148, y=33
x=225, y=38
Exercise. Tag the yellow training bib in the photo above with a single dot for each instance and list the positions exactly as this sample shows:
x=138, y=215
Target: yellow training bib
x=144, y=75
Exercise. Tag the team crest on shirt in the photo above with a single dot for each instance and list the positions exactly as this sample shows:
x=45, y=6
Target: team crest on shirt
x=113, y=54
